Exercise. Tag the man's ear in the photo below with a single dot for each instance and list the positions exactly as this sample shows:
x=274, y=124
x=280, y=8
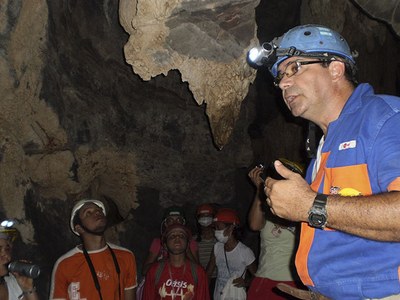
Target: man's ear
x=79, y=229
x=337, y=69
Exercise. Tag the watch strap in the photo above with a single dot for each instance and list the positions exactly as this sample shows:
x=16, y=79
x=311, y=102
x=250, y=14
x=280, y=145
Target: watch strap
x=320, y=201
x=317, y=216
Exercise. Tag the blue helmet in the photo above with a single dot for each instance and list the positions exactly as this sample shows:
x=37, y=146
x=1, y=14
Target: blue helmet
x=311, y=41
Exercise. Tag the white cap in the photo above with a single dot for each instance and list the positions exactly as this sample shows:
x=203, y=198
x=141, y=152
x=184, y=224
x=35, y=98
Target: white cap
x=78, y=205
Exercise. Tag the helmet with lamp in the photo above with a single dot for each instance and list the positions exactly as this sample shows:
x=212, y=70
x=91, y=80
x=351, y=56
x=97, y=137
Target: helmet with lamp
x=8, y=231
x=309, y=41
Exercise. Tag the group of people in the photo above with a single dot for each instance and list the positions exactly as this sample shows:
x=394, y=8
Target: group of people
x=178, y=265
x=212, y=265
x=348, y=206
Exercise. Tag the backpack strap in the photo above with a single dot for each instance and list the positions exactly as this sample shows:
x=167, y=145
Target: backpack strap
x=193, y=268
x=159, y=270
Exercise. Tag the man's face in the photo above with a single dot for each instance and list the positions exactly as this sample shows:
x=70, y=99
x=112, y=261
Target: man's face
x=306, y=91
x=92, y=217
x=5, y=252
x=176, y=241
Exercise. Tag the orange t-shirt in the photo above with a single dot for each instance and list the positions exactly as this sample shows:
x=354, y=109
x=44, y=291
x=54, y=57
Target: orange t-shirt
x=72, y=279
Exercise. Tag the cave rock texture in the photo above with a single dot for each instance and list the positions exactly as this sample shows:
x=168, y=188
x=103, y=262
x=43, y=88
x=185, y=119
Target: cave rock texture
x=207, y=41
x=146, y=104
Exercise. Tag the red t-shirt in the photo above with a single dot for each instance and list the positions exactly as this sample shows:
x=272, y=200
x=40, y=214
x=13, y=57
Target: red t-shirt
x=176, y=283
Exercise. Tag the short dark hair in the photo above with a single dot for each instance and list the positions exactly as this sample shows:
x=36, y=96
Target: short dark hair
x=350, y=71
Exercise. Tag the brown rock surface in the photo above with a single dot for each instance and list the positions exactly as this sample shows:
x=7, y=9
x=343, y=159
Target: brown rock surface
x=206, y=41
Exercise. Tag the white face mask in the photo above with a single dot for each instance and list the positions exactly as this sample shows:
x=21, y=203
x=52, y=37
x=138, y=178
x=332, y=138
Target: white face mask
x=219, y=235
x=205, y=221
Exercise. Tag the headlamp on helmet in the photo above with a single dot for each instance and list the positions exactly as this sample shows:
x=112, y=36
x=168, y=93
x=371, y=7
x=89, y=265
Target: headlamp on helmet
x=7, y=231
x=262, y=55
x=312, y=41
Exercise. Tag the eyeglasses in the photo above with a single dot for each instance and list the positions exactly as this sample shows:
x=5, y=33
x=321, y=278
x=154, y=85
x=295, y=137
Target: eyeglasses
x=293, y=67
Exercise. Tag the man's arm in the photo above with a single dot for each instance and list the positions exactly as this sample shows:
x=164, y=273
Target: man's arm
x=374, y=217
x=256, y=217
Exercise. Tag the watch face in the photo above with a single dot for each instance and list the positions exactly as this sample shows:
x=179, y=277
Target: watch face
x=317, y=220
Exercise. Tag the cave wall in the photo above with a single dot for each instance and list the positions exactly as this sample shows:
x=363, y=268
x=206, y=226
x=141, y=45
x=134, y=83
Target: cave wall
x=76, y=121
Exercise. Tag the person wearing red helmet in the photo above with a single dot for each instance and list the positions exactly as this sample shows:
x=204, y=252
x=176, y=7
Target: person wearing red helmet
x=172, y=215
x=176, y=277
x=231, y=257
x=205, y=237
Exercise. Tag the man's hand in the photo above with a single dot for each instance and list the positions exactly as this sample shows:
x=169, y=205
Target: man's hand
x=255, y=176
x=290, y=198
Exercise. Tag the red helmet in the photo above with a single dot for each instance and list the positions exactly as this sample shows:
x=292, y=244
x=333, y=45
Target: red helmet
x=227, y=215
x=176, y=227
x=205, y=209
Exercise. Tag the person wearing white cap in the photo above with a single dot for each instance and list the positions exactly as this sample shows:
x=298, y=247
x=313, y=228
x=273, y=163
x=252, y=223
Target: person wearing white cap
x=95, y=269
x=13, y=285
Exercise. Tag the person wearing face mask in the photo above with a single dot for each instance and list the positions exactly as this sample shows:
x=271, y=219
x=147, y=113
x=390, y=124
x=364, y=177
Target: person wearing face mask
x=231, y=257
x=205, y=237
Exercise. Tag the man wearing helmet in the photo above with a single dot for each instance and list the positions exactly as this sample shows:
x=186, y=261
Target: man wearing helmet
x=96, y=269
x=349, y=205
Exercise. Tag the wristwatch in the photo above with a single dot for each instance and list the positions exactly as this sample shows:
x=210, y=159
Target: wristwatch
x=317, y=216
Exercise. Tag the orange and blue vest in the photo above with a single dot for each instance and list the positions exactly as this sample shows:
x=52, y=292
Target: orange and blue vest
x=360, y=156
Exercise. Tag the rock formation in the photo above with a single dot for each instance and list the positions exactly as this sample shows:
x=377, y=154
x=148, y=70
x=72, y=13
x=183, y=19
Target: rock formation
x=206, y=41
